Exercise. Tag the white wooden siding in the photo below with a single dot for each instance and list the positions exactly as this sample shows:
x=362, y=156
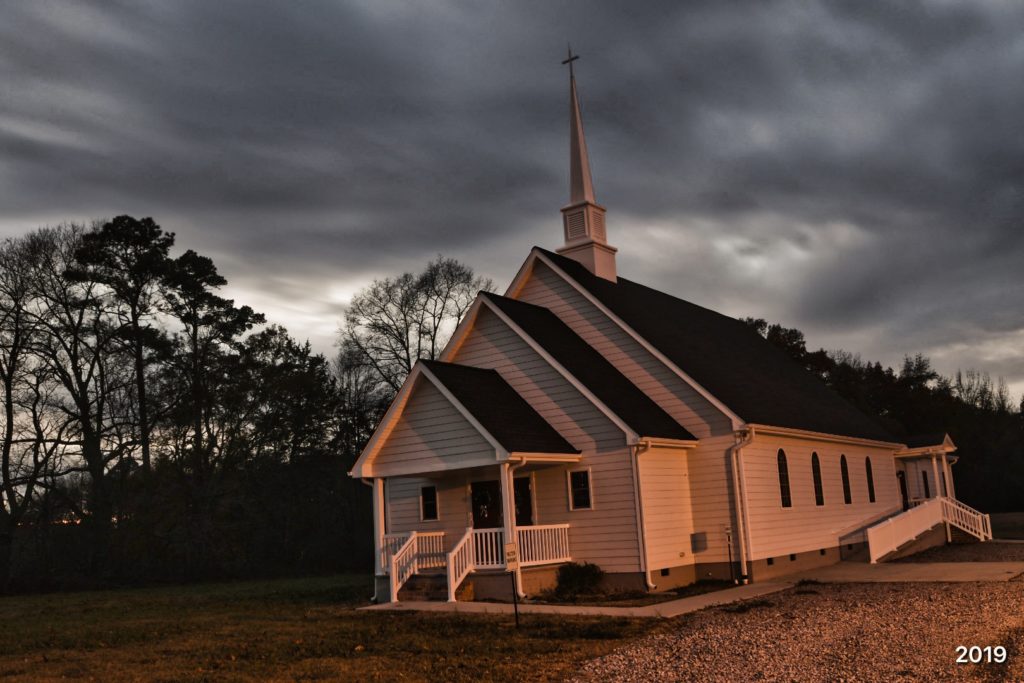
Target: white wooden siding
x=668, y=520
x=711, y=499
x=777, y=531
x=431, y=433
x=915, y=484
x=403, y=501
x=546, y=288
x=607, y=534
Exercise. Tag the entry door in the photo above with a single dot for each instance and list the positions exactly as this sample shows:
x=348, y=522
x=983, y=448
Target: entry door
x=901, y=477
x=524, y=501
x=486, y=500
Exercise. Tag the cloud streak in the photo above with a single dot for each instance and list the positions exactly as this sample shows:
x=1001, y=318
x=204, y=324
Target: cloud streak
x=853, y=169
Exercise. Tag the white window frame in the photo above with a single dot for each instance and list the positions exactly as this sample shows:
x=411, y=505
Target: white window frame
x=590, y=487
x=437, y=503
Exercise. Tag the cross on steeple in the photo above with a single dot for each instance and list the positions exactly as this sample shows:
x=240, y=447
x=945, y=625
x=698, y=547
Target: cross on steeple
x=570, y=59
x=583, y=218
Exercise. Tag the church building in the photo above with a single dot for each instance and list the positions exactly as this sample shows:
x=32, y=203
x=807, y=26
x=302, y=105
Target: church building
x=584, y=417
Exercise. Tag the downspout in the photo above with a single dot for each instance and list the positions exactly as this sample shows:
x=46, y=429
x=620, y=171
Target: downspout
x=515, y=530
x=740, y=496
x=641, y=533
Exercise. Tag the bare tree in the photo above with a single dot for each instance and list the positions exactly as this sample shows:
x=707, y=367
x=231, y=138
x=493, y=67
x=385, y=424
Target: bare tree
x=396, y=321
x=16, y=481
x=75, y=342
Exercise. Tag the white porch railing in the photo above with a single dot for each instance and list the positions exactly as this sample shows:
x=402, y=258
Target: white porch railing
x=890, y=535
x=404, y=554
x=460, y=562
x=421, y=550
x=431, y=549
x=390, y=546
x=967, y=518
x=543, y=544
x=403, y=565
x=489, y=548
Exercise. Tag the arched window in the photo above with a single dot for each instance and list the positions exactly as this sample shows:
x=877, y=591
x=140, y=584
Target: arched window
x=819, y=492
x=787, y=499
x=847, y=496
x=871, y=479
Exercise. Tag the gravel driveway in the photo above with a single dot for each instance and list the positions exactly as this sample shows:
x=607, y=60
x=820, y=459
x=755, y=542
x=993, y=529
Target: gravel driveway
x=834, y=632
x=993, y=551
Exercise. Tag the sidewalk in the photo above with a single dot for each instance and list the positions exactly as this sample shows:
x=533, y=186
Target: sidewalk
x=672, y=608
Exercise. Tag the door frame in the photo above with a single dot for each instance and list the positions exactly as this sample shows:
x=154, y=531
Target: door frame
x=901, y=480
x=533, y=496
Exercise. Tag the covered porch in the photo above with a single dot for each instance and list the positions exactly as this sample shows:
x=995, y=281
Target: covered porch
x=473, y=520
x=924, y=470
x=925, y=477
x=453, y=467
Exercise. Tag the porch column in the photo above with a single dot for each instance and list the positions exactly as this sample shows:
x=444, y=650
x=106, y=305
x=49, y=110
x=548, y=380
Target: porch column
x=378, y=524
x=949, y=477
x=935, y=476
x=509, y=513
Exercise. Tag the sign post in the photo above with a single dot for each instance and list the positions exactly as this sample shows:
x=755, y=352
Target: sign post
x=512, y=564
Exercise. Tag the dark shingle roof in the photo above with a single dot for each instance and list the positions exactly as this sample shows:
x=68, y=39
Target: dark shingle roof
x=499, y=409
x=610, y=386
x=925, y=440
x=755, y=379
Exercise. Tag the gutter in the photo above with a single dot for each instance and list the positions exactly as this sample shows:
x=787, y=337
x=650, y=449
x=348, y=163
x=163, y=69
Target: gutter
x=641, y=529
x=743, y=439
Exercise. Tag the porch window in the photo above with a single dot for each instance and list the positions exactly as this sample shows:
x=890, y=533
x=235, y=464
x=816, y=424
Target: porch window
x=787, y=499
x=819, y=492
x=847, y=496
x=428, y=503
x=924, y=480
x=579, y=490
x=871, y=479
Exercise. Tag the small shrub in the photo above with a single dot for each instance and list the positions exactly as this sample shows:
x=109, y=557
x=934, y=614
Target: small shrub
x=575, y=579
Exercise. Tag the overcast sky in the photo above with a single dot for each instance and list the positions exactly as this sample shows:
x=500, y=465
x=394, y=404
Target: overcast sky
x=852, y=169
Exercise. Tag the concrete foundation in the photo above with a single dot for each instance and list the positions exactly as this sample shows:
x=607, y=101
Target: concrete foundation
x=768, y=568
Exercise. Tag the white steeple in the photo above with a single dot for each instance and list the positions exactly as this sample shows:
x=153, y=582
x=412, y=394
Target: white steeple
x=583, y=218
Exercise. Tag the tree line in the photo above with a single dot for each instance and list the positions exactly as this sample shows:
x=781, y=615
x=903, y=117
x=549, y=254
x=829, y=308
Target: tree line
x=153, y=429
x=977, y=412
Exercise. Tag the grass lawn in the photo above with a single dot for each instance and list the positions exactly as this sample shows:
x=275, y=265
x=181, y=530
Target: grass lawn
x=296, y=629
x=1008, y=525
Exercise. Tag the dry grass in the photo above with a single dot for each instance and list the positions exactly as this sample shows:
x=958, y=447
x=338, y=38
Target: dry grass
x=283, y=630
x=635, y=598
x=1008, y=525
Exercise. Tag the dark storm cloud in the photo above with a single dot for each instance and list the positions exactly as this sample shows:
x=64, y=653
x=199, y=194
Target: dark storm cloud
x=854, y=169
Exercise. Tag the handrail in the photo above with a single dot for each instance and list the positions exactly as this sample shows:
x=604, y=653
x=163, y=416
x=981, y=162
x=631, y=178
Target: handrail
x=967, y=518
x=891, y=534
x=403, y=565
x=392, y=542
x=460, y=562
x=888, y=535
